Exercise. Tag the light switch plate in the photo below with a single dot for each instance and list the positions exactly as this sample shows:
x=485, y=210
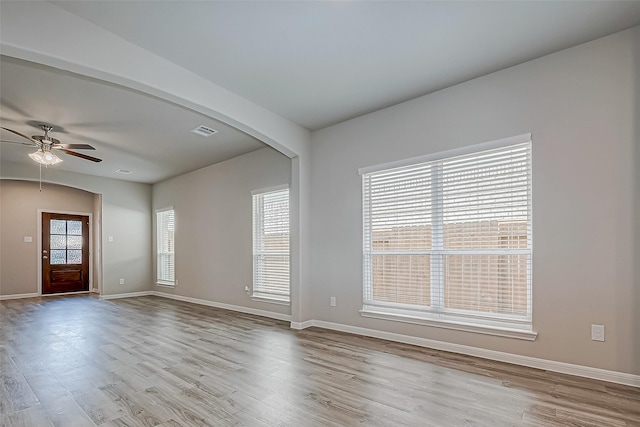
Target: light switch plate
x=28, y=239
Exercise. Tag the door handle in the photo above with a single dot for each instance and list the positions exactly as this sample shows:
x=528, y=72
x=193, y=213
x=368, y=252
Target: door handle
x=45, y=257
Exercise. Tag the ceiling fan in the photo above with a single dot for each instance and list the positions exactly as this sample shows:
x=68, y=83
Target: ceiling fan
x=47, y=146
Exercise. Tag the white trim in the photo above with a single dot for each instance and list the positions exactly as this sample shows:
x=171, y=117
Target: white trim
x=270, y=300
x=457, y=325
x=302, y=325
x=165, y=283
x=515, y=359
x=127, y=295
x=270, y=189
x=19, y=296
x=498, y=143
x=247, y=310
x=95, y=291
x=39, y=242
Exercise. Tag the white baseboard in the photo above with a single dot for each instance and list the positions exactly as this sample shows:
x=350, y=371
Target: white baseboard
x=531, y=362
x=95, y=291
x=247, y=310
x=127, y=295
x=19, y=296
x=303, y=325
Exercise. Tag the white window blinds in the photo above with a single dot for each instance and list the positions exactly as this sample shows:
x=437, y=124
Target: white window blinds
x=450, y=238
x=271, y=245
x=165, y=227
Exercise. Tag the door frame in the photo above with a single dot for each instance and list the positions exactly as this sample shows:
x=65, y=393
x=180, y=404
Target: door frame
x=91, y=249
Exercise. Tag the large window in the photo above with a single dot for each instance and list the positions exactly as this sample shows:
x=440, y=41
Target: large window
x=271, y=245
x=447, y=239
x=165, y=243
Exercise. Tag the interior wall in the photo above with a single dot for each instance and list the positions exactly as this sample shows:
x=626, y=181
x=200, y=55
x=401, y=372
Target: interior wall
x=20, y=201
x=579, y=104
x=635, y=320
x=126, y=217
x=213, y=214
x=97, y=243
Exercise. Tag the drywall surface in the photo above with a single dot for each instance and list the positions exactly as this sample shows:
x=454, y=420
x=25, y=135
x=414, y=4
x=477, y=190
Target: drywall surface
x=19, y=205
x=213, y=214
x=635, y=320
x=126, y=217
x=581, y=107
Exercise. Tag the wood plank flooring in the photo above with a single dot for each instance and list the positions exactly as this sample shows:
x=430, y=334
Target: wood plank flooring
x=149, y=361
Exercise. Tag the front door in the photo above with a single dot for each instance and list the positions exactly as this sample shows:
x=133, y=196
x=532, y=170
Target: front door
x=65, y=253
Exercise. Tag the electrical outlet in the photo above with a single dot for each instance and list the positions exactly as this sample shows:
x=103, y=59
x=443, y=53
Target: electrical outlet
x=332, y=302
x=246, y=289
x=122, y=281
x=597, y=332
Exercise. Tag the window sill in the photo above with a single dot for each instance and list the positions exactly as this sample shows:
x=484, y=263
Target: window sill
x=457, y=325
x=166, y=284
x=270, y=299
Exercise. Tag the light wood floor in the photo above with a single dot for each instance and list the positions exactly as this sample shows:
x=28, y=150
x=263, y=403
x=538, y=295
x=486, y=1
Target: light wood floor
x=148, y=361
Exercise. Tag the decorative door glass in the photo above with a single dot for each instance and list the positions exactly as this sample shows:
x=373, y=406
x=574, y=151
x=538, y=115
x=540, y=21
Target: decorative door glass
x=66, y=242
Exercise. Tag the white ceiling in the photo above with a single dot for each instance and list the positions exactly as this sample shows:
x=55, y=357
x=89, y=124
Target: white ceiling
x=321, y=62
x=315, y=63
x=130, y=130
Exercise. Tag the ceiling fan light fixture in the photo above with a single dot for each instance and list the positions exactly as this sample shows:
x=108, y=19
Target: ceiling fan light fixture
x=46, y=158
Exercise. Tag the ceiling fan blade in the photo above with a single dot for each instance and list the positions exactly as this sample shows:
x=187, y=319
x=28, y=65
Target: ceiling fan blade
x=16, y=142
x=82, y=156
x=37, y=144
x=73, y=146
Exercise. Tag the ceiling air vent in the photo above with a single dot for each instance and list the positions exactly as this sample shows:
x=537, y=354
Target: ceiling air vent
x=124, y=171
x=204, y=131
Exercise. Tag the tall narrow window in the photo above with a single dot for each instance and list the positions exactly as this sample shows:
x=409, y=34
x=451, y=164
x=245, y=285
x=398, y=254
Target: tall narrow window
x=448, y=239
x=271, y=245
x=166, y=226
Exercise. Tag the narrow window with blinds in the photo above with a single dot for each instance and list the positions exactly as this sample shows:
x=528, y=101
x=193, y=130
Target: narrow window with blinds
x=447, y=239
x=165, y=242
x=271, y=245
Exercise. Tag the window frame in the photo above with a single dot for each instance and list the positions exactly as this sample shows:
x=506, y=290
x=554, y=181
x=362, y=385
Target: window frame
x=258, y=292
x=161, y=281
x=436, y=315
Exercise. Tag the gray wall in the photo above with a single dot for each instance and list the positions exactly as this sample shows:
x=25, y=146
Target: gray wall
x=19, y=204
x=581, y=107
x=213, y=211
x=126, y=215
x=635, y=352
